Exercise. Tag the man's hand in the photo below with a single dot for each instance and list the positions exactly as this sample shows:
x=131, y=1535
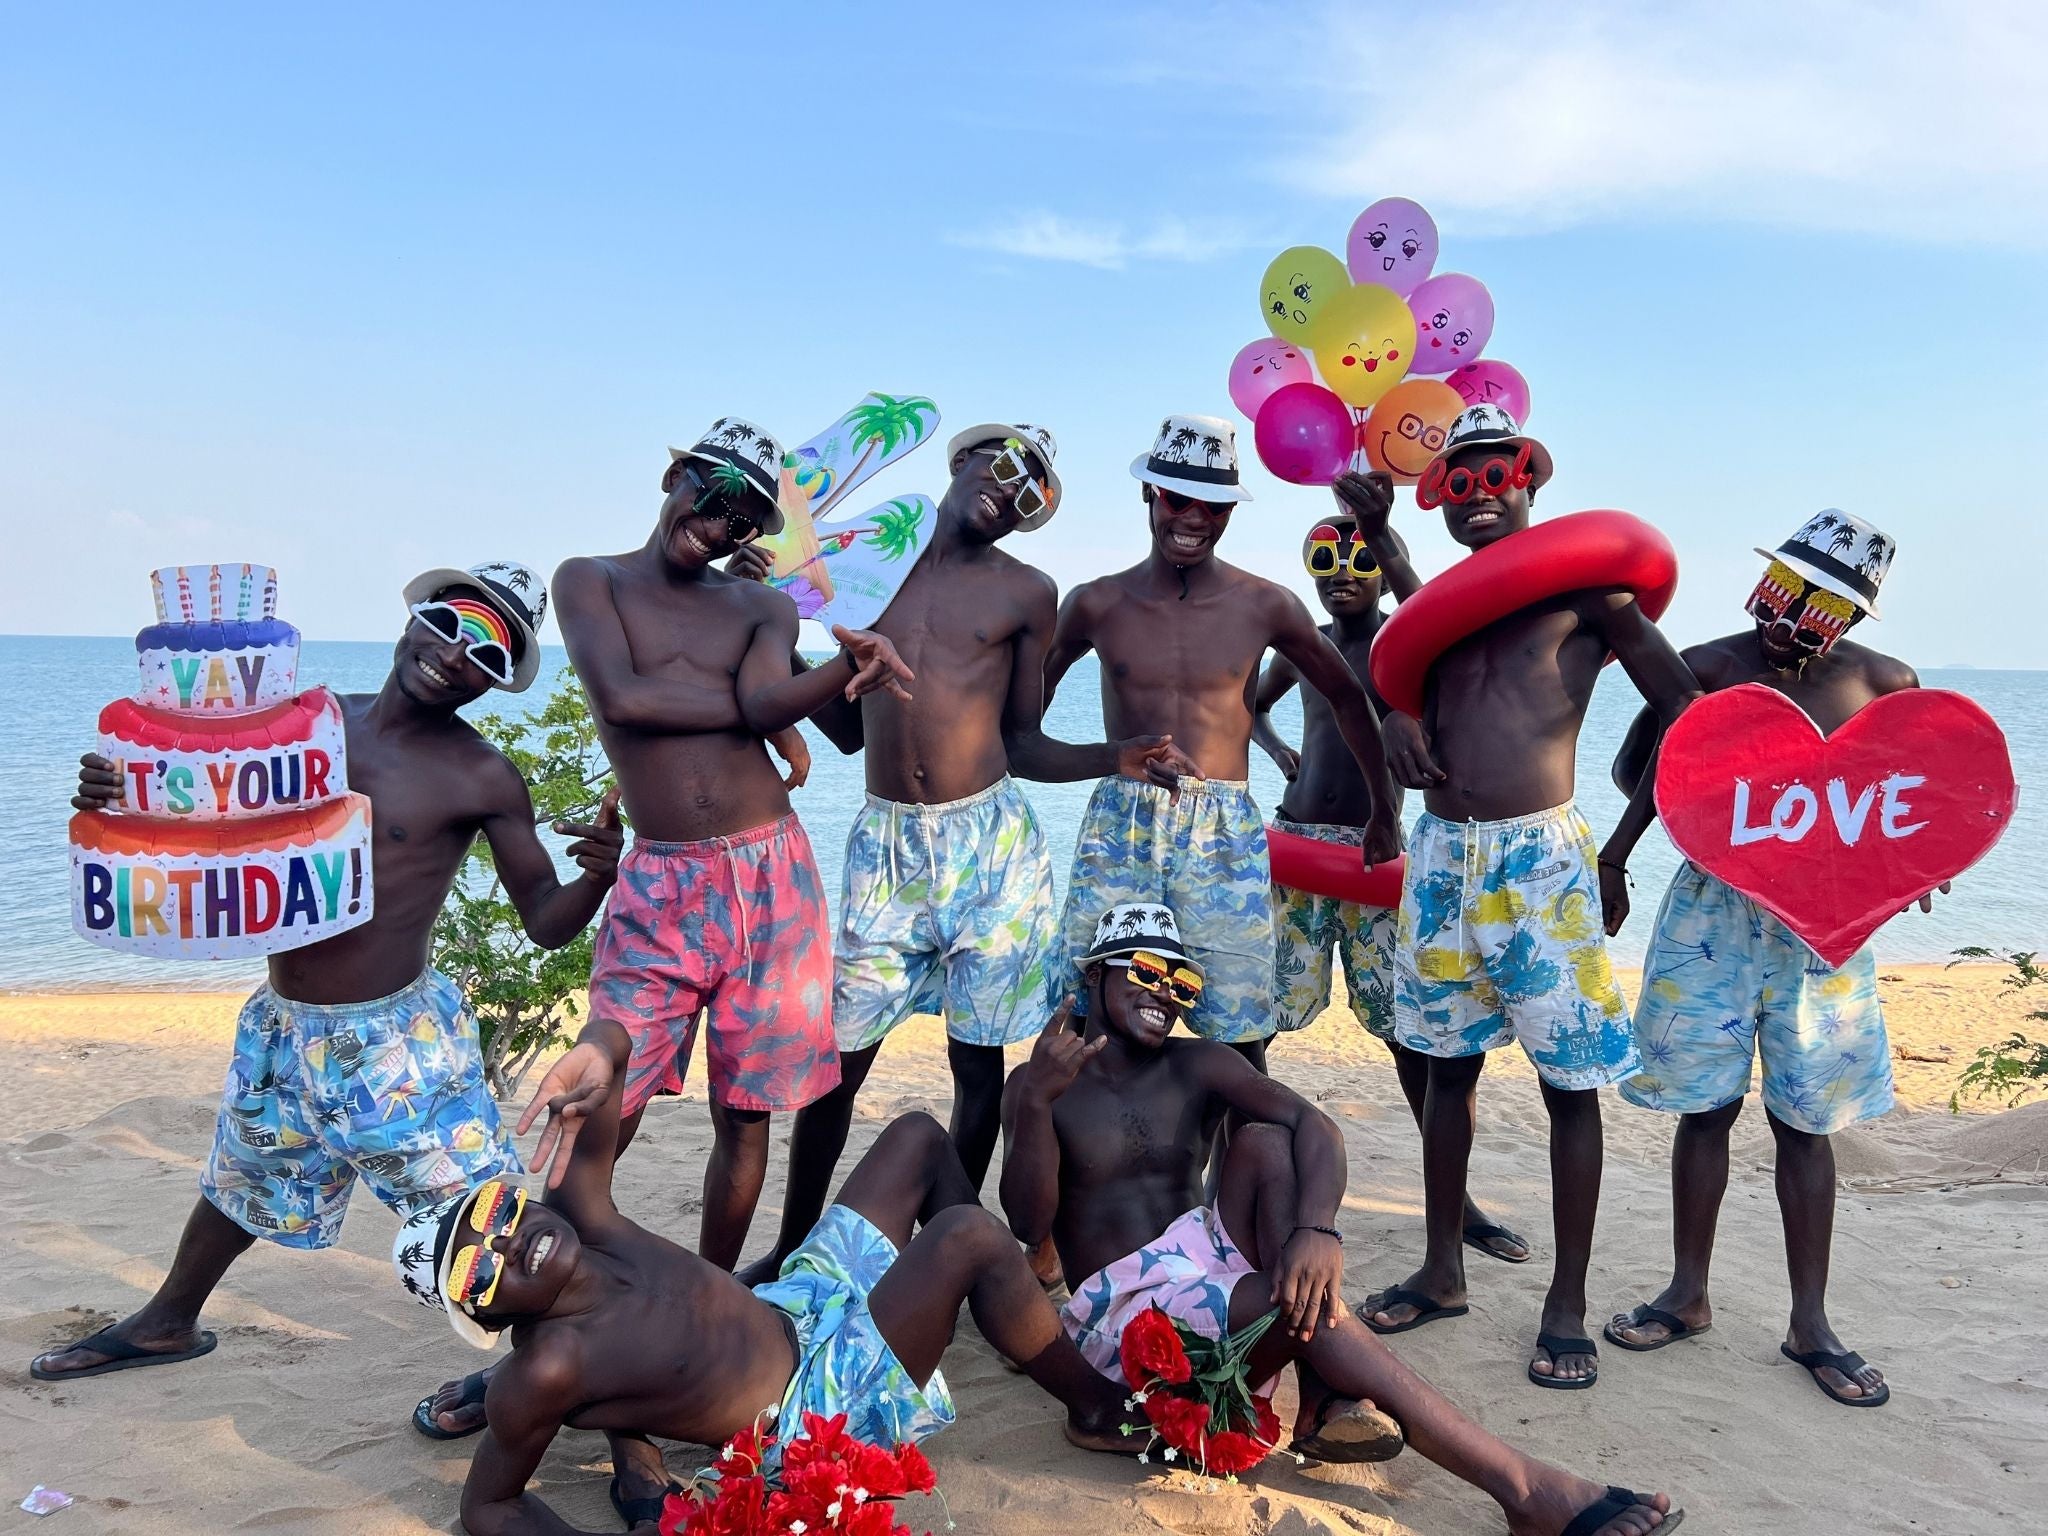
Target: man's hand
x=1926, y=903
x=876, y=664
x=1060, y=1054
x=572, y=1091
x=99, y=784
x=1156, y=760
x=1369, y=499
x=791, y=747
x=1613, y=896
x=750, y=562
x=1382, y=843
x=597, y=845
x=1407, y=751
x=1308, y=1283
x=1287, y=760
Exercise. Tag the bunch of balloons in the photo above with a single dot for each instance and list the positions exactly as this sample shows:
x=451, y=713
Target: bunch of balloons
x=1371, y=358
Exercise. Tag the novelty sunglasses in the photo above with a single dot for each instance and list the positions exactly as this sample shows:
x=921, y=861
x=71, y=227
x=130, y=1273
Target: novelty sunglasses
x=740, y=527
x=447, y=622
x=1180, y=981
x=1328, y=555
x=494, y=1213
x=1013, y=473
x=1177, y=503
x=1818, y=617
x=1440, y=483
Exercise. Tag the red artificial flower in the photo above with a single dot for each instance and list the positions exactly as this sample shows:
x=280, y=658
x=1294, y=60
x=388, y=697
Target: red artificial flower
x=1181, y=1421
x=1150, y=1350
x=917, y=1473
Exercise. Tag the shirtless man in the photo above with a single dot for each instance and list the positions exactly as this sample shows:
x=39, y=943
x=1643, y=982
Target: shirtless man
x=1499, y=933
x=947, y=899
x=720, y=910
x=1105, y=1136
x=1327, y=799
x=614, y=1328
x=417, y=1121
x=1180, y=636
x=1719, y=960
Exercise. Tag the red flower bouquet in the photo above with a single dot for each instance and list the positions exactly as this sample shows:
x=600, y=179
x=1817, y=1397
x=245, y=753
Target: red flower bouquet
x=1194, y=1392
x=827, y=1482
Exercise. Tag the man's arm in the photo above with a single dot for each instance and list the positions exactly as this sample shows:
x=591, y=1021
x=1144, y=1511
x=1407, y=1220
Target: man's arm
x=1322, y=667
x=1274, y=684
x=1667, y=683
x=838, y=718
x=772, y=699
x=1030, y=1189
x=552, y=913
x=1073, y=636
x=603, y=659
x=582, y=1094
x=530, y=1397
x=1369, y=499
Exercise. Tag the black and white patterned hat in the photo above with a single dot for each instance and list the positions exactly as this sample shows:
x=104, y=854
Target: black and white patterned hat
x=1136, y=925
x=519, y=595
x=753, y=452
x=422, y=1252
x=1037, y=439
x=1840, y=553
x=1194, y=456
x=1484, y=423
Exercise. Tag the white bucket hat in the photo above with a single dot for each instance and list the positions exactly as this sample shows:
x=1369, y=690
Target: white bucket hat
x=753, y=451
x=1037, y=439
x=514, y=590
x=1133, y=926
x=1194, y=456
x=1840, y=553
x=1485, y=423
x=422, y=1252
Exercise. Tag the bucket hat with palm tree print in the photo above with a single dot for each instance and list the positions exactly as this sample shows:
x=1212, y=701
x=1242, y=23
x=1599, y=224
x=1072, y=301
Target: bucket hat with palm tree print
x=1194, y=456
x=1841, y=554
x=743, y=458
x=1036, y=439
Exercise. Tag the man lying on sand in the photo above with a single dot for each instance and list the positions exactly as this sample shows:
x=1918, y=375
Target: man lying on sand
x=1106, y=1132
x=356, y=1059
x=1727, y=982
x=616, y=1329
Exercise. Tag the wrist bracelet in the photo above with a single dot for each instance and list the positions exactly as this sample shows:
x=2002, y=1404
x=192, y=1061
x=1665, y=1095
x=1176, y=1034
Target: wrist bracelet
x=846, y=655
x=1326, y=1231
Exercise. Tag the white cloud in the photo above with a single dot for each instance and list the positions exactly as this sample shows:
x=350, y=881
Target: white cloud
x=1110, y=247
x=1912, y=118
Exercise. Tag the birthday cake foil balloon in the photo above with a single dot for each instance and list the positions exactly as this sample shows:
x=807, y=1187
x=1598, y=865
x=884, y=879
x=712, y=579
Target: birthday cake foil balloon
x=218, y=647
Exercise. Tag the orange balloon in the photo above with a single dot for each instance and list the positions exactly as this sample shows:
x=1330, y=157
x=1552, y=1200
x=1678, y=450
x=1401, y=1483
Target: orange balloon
x=1406, y=429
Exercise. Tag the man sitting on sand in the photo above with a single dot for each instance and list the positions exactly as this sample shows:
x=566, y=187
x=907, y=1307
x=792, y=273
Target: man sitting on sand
x=617, y=1329
x=1727, y=982
x=1327, y=799
x=1106, y=1133
x=1180, y=636
x=356, y=1059
x=1499, y=935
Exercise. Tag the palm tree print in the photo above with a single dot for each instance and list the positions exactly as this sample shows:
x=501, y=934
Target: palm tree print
x=413, y=1255
x=1182, y=440
x=896, y=527
x=731, y=480
x=884, y=421
x=1212, y=447
x=1841, y=539
x=733, y=433
x=1874, y=557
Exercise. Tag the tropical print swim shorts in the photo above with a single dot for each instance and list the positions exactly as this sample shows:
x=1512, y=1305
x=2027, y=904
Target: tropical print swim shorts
x=947, y=909
x=732, y=928
x=392, y=1091
x=1726, y=984
x=1204, y=857
x=1500, y=939
x=844, y=1365
x=1312, y=933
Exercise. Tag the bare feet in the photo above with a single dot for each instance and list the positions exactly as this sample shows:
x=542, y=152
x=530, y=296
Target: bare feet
x=1560, y=1499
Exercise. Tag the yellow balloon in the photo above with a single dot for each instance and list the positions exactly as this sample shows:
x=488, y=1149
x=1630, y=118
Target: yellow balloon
x=1364, y=340
x=1298, y=287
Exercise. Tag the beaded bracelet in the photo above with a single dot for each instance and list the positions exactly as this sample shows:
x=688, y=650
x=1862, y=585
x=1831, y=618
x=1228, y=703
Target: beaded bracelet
x=1326, y=1231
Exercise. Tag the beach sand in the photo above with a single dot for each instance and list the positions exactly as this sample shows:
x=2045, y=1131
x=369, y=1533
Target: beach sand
x=299, y=1421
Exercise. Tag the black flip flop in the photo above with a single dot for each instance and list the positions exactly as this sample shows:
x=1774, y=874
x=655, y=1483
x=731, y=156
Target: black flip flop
x=1615, y=1501
x=1848, y=1363
x=1430, y=1310
x=1478, y=1232
x=474, y=1385
x=1354, y=1440
x=636, y=1512
x=126, y=1356
x=1556, y=1345
x=1680, y=1328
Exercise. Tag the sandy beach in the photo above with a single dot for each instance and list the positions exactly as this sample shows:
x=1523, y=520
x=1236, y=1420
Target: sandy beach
x=298, y=1422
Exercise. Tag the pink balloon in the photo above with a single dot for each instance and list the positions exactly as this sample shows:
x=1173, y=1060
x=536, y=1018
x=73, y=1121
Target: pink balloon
x=1263, y=366
x=1492, y=382
x=1304, y=434
x=1393, y=243
x=1453, y=322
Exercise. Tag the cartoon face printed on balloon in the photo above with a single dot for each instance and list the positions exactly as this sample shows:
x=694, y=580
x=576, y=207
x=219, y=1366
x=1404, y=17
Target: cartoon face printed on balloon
x=1492, y=382
x=1365, y=343
x=1299, y=283
x=1393, y=243
x=1453, y=322
x=1407, y=428
x=1263, y=366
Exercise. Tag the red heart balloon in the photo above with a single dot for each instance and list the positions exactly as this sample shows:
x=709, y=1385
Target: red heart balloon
x=1833, y=835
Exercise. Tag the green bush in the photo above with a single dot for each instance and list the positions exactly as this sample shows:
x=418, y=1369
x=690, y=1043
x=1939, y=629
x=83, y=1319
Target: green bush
x=2016, y=1067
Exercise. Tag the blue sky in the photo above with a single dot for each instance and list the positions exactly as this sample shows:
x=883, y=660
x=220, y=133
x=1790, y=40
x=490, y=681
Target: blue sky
x=360, y=291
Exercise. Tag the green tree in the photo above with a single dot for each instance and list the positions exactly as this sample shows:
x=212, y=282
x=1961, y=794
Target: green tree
x=885, y=422
x=524, y=996
x=896, y=528
x=2016, y=1066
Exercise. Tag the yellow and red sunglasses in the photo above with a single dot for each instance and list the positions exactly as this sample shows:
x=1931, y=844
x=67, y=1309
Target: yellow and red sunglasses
x=1179, y=981
x=494, y=1213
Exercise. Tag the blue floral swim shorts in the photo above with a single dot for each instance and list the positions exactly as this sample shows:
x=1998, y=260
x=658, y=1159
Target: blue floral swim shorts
x=1312, y=934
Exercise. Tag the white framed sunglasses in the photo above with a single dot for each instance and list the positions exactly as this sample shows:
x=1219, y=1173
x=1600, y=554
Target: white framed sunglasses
x=482, y=632
x=1013, y=473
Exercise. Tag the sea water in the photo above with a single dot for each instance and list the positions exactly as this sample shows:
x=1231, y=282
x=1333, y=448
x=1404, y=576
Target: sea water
x=59, y=684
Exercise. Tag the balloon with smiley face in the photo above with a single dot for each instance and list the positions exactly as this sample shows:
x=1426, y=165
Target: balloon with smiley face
x=1365, y=342
x=1453, y=322
x=1263, y=366
x=1299, y=285
x=1493, y=382
x=1407, y=428
x=1393, y=243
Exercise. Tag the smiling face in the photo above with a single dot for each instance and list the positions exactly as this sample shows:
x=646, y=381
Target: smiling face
x=1263, y=366
x=1185, y=531
x=438, y=673
x=690, y=539
x=979, y=505
x=1334, y=556
x=1365, y=345
x=1409, y=426
x=540, y=1259
x=1453, y=322
x=1297, y=286
x=1486, y=517
x=1138, y=1017
x=1393, y=243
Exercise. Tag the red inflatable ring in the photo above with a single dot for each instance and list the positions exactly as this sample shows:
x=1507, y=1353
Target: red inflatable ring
x=1332, y=869
x=1566, y=554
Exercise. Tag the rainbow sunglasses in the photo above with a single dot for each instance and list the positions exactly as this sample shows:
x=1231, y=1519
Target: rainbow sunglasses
x=482, y=631
x=1179, y=981
x=494, y=1212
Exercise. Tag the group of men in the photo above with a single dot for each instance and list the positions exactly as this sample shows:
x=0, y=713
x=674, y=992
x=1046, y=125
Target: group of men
x=1138, y=1168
